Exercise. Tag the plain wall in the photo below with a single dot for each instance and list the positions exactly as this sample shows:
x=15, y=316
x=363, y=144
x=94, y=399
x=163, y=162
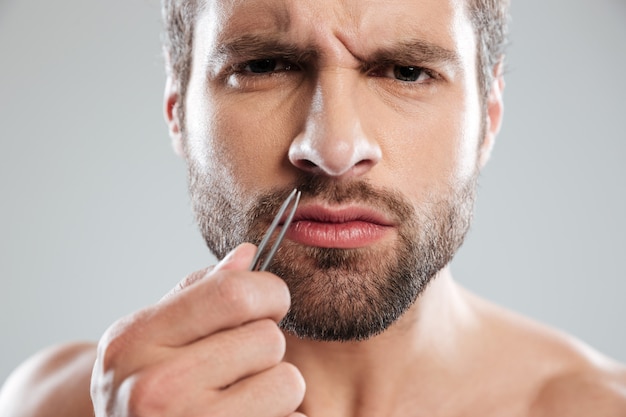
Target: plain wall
x=95, y=220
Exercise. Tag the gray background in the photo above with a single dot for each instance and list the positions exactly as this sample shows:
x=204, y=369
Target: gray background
x=94, y=216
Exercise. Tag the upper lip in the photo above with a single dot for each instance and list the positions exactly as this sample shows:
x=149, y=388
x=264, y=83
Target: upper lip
x=341, y=214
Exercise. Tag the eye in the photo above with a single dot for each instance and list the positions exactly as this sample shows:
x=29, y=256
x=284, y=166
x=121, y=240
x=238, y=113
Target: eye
x=259, y=66
x=267, y=65
x=408, y=73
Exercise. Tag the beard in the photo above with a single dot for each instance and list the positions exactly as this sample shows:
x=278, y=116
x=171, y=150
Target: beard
x=341, y=294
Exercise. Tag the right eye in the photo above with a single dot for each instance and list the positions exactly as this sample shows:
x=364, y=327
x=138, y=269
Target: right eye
x=267, y=65
x=259, y=66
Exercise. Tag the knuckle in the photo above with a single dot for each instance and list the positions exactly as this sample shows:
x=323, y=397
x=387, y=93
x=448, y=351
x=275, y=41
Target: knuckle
x=267, y=334
x=120, y=341
x=237, y=295
x=292, y=380
x=143, y=395
x=113, y=345
x=114, y=364
x=281, y=295
x=288, y=385
x=275, y=337
x=278, y=297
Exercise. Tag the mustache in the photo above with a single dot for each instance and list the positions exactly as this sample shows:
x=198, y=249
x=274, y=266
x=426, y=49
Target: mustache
x=332, y=191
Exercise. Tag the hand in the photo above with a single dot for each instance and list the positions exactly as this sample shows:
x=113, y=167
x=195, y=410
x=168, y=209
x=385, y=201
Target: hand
x=210, y=348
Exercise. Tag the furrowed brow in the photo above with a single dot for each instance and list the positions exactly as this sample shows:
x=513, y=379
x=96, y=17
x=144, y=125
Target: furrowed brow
x=416, y=52
x=256, y=47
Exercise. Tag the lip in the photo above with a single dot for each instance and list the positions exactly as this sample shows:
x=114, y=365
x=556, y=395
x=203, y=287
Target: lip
x=345, y=227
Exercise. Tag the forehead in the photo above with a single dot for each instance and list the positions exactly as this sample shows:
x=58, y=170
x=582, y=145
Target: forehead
x=357, y=25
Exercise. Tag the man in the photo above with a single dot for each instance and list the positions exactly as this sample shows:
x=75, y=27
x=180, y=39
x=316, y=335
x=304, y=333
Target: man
x=382, y=113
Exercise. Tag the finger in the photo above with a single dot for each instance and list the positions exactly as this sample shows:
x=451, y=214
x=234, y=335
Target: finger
x=238, y=258
x=220, y=360
x=276, y=392
x=188, y=281
x=224, y=300
x=231, y=355
x=232, y=300
x=226, y=297
x=227, y=300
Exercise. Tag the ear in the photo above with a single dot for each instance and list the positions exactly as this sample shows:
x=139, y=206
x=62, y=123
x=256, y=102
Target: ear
x=171, y=103
x=495, y=110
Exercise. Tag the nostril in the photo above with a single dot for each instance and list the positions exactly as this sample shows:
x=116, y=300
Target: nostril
x=335, y=152
x=363, y=166
x=337, y=163
x=306, y=164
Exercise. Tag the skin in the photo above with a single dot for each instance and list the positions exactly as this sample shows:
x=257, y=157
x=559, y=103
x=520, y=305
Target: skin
x=212, y=346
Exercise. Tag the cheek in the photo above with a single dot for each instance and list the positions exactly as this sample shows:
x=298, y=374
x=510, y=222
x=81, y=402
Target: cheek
x=461, y=137
x=239, y=142
x=204, y=150
x=432, y=149
x=250, y=135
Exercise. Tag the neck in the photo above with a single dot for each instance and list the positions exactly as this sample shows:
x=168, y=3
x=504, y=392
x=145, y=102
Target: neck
x=369, y=377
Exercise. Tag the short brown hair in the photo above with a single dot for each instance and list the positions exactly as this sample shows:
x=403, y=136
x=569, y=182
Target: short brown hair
x=489, y=18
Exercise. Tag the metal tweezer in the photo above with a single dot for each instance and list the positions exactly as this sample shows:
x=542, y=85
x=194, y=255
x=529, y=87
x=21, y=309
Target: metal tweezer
x=295, y=194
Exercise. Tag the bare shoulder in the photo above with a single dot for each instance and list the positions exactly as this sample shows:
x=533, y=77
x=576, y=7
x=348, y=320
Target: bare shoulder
x=589, y=391
x=54, y=382
x=553, y=374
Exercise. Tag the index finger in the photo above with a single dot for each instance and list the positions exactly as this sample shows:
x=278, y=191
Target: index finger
x=234, y=260
x=225, y=298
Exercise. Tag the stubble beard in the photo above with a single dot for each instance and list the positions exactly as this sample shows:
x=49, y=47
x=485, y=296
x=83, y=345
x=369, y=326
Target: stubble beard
x=341, y=294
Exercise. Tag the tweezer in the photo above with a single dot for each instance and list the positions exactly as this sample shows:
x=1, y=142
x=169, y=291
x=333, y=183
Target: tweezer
x=295, y=194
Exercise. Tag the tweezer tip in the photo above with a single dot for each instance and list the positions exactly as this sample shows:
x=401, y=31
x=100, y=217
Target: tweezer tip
x=295, y=193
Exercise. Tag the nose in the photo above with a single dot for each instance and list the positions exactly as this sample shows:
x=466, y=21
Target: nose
x=333, y=141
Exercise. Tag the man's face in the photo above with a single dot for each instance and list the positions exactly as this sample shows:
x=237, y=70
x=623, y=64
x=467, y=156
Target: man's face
x=370, y=108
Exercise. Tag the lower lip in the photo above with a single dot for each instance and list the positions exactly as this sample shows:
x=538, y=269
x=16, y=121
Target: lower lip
x=348, y=235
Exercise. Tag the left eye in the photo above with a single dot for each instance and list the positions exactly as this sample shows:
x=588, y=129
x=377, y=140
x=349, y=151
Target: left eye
x=408, y=73
x=266, y=65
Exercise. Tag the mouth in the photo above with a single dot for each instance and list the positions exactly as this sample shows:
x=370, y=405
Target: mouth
x=345, y=227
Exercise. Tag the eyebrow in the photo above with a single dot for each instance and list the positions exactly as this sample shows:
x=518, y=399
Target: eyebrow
x=409, y=52
x=260, y=46
x=416, y=52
